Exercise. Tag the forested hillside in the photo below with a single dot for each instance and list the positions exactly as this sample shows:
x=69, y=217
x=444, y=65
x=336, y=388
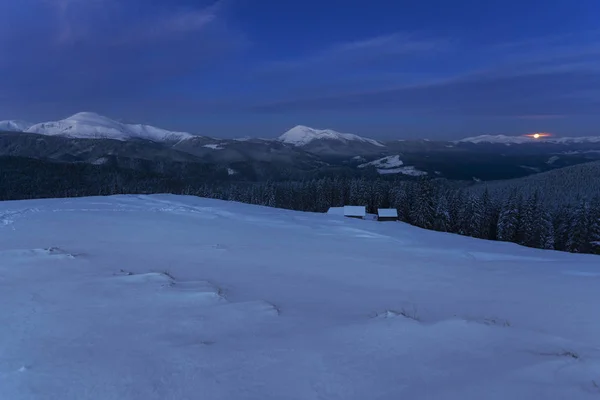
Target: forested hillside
x=563, y=186
x=521, y=215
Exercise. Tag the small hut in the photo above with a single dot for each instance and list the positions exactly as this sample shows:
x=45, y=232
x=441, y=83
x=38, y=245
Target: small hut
x=359, y=212
x=387, y=214
x=336, y=211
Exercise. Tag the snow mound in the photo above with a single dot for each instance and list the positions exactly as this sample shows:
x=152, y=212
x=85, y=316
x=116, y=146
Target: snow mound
x=303, y=135
x=385, y=162
x=14, y=126
x=88, y=125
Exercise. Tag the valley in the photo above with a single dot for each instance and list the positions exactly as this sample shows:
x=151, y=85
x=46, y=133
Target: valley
x=301, y=152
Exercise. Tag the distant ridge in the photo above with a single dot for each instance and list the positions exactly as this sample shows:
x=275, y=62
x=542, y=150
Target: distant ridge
x=302, y=135
x=504, y=139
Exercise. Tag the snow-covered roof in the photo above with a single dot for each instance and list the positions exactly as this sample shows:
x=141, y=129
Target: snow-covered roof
x=355, y=211
x=388, y=212
x=336, y=211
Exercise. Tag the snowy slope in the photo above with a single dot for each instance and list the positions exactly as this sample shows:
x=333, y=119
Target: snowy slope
x=93, y=126
x=393, y=165
x=503, y=139
x=303, y=135
x=14, y=126
x=167, y=297
x=406, y=170
x=385, y=162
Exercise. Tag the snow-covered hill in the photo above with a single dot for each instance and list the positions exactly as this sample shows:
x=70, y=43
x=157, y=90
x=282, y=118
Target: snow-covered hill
x=393, y=165
x=503, y=139
x=14, y=126
x=385, y=162
x=303, y=135
x=89, y=125
x=167, y=297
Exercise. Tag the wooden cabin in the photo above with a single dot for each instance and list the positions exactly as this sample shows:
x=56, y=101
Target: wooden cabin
x=387, y=214
x=359, y=212
x=336, y=211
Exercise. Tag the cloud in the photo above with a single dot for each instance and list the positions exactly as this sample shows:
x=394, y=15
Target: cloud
x=553, y=93
x=130, y=21
x=391, y=49
x=541, y=117
x=74, y=17
x=74, y=52
x=396, y=43
x=541, y=77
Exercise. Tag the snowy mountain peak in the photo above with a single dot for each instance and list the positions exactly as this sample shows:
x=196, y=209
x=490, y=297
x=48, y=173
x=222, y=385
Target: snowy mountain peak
x=90, y=125
x=14, y=126
x=504, y=139
x=302, y=135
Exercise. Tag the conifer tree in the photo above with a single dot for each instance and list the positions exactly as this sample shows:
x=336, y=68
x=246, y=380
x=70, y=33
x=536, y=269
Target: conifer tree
x=508, y=221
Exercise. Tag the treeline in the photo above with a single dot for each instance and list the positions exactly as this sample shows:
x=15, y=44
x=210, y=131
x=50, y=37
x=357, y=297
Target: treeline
x=431, y=204
x=561, y=186
x=436, y=205
x=26, y=178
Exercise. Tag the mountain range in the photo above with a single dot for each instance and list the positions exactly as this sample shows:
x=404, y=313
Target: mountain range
x=301, y=151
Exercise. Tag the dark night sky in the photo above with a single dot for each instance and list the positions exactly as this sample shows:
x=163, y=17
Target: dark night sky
x=379, y=68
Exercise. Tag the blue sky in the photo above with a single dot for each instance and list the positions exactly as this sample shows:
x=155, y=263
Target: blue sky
x=380, y=68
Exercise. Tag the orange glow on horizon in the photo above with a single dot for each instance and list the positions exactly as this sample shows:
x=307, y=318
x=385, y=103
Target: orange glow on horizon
x=538, y=135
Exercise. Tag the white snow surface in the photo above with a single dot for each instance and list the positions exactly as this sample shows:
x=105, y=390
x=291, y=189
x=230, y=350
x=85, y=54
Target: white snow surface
x=303, y=135
x=214, y=146
x=14, y=126
x=387, y=212
x=336, y=211
x=89, y=125
x=385, y=162
x=173, y=297
x=355, y=211
x=407, y=170
x=504, y=139
x=393, y=165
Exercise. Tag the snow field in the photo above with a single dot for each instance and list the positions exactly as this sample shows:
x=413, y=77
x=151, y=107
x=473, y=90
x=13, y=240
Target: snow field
x=174, y=297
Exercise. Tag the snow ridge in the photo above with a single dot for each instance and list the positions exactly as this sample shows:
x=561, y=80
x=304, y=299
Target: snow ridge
x=393, y=165
x=504, y=139
x=385, y=162
x=88, y=125
x=14, y=126
x=303, y=135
